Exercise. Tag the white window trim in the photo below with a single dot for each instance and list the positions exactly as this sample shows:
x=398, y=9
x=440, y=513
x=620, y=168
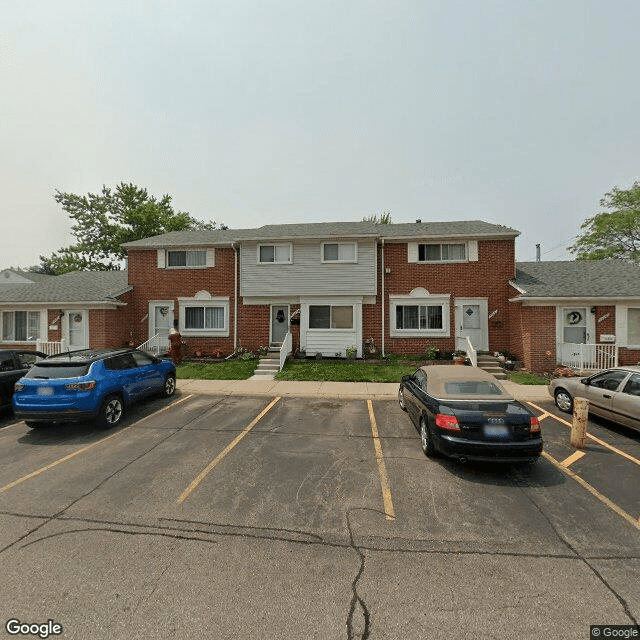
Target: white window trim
x=274, y=245
x=210, y=260
x=622, y=326
x=44, y=332
x=443, y=301
x=330, y=328
x=355, y=253
x=441, y=244
x=202, y=301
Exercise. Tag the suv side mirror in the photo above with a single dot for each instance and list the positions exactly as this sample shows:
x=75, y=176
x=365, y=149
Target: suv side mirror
x=586, y=381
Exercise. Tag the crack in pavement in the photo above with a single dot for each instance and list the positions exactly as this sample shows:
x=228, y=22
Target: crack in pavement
x=522, y=485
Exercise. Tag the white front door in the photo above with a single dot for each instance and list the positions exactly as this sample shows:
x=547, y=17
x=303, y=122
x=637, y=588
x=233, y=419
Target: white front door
x=160, y=317
x=472, y=322
x=279, y=323
x=78, y=329
x=576, y=330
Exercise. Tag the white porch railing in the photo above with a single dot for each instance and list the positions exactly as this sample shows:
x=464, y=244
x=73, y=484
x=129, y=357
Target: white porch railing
x=286, y=348
x=156, y=345
x=588, y=357
x=51, y=348
x=472, y=354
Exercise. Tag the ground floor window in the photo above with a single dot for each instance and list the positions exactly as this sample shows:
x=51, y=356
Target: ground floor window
x=204, y=315
x=330, y=317
x=20, y=326
x=414, y=316
x=633, y=326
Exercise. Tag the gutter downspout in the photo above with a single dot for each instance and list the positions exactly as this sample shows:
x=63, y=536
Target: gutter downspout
x=235, y=298
x=382, y=296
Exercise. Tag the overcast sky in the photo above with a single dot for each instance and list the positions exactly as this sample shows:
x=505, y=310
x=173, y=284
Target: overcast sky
x=262, y=112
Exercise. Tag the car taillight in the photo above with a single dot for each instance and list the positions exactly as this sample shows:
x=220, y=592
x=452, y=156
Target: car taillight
x=535, y=425
x=447, y=422
x=81, y=386
x=18, y=387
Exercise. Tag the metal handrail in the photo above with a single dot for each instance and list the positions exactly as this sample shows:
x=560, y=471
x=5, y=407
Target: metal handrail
x=472, y=353
x=155, y=344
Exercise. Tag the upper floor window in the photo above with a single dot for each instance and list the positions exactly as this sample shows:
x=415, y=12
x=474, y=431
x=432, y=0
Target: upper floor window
x=339, y=252
x=189, y=258
x=20, y=326
x=441, y=252
x=274, y=253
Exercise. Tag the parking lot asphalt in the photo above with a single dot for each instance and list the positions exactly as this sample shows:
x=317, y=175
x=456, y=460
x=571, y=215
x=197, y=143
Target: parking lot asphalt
x=238, y=514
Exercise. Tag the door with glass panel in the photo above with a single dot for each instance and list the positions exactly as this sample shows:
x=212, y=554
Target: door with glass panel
x=78, y=329
x=160, y=323
x=472, y=322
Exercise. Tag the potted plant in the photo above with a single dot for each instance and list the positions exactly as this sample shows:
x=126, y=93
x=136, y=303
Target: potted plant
x=459, y=357
x=351, y=352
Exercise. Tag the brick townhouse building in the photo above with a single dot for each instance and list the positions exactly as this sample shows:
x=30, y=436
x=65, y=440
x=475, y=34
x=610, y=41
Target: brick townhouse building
x=334, y=286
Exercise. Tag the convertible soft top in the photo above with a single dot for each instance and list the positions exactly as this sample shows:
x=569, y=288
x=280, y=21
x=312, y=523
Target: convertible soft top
x=456, y=382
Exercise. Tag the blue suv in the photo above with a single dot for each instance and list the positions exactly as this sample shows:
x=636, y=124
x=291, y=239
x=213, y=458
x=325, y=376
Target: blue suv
x=90, y=385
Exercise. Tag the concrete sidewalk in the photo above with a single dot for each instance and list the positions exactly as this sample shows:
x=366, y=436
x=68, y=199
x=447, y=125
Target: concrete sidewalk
x=345, y=390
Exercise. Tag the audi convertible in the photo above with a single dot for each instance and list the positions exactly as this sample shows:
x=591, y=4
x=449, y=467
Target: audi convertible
x=466, y=414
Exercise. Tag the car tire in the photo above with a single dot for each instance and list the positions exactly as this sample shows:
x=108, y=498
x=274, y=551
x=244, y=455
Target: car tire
x=37, y=424
x=426, y=441
x=111, y=412
x=169, y=386
x=564, y=400
x=401, y=401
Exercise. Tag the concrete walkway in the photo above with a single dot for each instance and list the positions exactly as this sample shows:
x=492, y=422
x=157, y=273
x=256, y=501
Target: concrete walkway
x=345, y=390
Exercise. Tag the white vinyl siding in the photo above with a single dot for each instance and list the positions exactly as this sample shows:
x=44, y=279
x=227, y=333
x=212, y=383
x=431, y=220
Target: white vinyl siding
x=21, y=326
x=330, y=327
x=308, y=275
x=275, y=253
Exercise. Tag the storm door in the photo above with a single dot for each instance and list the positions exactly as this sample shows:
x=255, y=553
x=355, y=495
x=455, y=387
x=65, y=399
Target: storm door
x=279, y=323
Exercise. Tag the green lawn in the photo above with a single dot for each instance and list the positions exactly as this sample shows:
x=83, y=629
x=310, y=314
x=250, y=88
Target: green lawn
x=522, y=377
x=231, y=370
x=343, y=371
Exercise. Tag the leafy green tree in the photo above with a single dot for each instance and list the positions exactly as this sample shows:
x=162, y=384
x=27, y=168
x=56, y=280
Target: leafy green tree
x=614, y=233
x=383, y=218
x=103, y=222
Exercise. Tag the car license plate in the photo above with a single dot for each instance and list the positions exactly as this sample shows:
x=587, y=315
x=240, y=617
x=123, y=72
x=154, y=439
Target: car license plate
x=496, y=431
x=45, y=391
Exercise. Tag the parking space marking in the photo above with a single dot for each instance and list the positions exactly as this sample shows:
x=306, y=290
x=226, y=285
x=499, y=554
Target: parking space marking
x=574, y=457
x=77, y=452
x=593, y=491
x=597, y=440
x=203, y=474
x=382, y=469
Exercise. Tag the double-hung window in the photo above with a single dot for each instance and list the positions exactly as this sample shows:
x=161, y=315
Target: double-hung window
x=339, y=252
x=330, y=316
x=274, y=253
x=633, y=326
x=187, y=258
x=20, y=326
x=442, y=252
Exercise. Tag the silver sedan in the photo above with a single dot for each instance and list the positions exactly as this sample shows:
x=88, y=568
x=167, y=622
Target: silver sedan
x=613, y=394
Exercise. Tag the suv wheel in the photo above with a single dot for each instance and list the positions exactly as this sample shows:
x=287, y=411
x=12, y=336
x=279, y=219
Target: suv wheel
x=169, y=387
x=110, y=412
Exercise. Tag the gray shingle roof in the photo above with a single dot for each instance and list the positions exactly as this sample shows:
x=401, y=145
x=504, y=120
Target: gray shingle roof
x=578, y=279
x=77, y=286
x=472, y=228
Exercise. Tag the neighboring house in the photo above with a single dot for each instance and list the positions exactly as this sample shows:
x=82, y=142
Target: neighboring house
x=83, y=308
x=402, y=287
x=580, y=314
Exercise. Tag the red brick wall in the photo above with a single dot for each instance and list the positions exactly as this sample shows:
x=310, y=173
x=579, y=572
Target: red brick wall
x=151, y=283
x=488, y=277
x=113, y=327
x=533, y=337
